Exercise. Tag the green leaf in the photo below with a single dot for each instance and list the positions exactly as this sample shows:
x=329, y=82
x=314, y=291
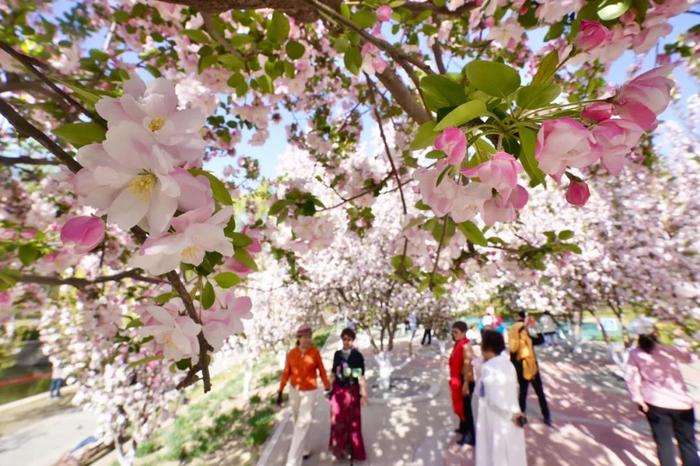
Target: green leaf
x=425, y=136
x=493, y=78
x=401, y=262
x=548, y=65
x=28, y=253
x=244, y=257
x=207, y=296
x=218, y=188
x=364, y=18
x=80, y=134
x=227, y=279
x=345, y=10
x=277, y=206
x=554, y=31
x=231, y=61
x=237, y=81
x=462, y=114
x=537, y=95
x=528, y=141
x=572, y=247
x=240, y=240
x=420, y=205
x=441, y=91
x=197, y=35
x=528, y=20
x=442, y=230
x=294, y=49
x=473, y=233
x=613, y=9
x=278, y=28
x=90, y=98
x=566, y=234
x=164, y=297
x=353, y=60
x=184, y=364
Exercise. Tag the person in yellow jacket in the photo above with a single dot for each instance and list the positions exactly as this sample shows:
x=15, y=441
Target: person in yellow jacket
x=522, y=354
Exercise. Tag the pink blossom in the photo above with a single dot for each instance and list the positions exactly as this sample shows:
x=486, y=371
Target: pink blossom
x=616, y=138
x=235, y=266
x=196, y=232
x=6, y=233
x=504, y=209
x=5, y=299
x=598, y=111
x=577, y=194
x=441, y=197
x=645, y=97
x=225, y=318
x=563, y=143
x=384, y=13
x=591, y=35
x=86, y=232
x=452, y=142
x=27, y=233
x=195, y=192
x=176, y=334
x=499, y=173
x=653, y=29
x=469, y=201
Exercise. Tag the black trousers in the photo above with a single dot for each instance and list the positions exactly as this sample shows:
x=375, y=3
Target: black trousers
x=679, y=423
x=466, y=427
x=427, y=335
x=536, y=384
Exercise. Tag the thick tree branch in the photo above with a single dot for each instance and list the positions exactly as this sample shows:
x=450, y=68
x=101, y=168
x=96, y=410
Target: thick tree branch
x=403, y=96
x=83, y=282
x=24, y=127
x=25, y=160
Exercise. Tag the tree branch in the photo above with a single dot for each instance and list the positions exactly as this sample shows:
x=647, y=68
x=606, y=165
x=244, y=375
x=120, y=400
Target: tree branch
x=400, y=56
x=26, y=160
x=42, y=77
x=437, y=51
x=404, y=97
x=23, y=126
x=83, y=282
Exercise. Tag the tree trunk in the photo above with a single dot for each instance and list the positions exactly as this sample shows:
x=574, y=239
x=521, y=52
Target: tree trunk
x=606, y=338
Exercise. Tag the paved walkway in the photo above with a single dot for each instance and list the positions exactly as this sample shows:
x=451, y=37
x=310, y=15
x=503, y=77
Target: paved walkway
x=594, y=421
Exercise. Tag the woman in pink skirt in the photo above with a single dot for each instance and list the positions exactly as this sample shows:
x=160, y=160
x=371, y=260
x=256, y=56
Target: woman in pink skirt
x=348, y=393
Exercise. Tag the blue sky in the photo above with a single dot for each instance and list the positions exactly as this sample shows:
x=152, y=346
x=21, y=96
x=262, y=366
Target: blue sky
x=270, y=153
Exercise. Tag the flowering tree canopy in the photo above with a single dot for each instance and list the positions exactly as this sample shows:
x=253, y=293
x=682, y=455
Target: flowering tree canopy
x=114, y=111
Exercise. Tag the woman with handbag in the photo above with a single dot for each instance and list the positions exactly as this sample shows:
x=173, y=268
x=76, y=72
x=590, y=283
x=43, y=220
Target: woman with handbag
x=348, y=394
x=522, y=354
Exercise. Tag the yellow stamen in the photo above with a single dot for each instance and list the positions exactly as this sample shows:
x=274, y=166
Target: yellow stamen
x=156, y=124
x=142, y=185
x=190, y=253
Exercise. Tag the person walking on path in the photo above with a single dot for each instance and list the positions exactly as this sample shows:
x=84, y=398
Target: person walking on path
x=655, y=383
x=549, y=328
x=523, y=356
x=301, y=369
x=462, y=382
x=56, y=379
x=500, y=437
x=348, y=394
x=427, y=332
x=412, y=324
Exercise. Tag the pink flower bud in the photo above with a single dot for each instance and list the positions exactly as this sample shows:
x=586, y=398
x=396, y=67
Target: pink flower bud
x=591, y=35
x=578, y=193
x=452, y=142
x=85, y=232
x=384, y=13
x=598, y=111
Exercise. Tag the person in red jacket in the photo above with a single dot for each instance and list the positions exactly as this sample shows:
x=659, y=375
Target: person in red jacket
x=462, y=382
x=302, y=368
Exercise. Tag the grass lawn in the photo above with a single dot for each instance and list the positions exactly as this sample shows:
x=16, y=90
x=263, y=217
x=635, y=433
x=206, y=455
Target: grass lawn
x=221, y=427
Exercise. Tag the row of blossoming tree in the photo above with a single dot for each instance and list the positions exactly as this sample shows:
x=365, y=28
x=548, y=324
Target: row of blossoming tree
x=144, y=263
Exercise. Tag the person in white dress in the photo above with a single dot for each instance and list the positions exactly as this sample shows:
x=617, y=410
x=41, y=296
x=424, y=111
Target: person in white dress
x=500, y=436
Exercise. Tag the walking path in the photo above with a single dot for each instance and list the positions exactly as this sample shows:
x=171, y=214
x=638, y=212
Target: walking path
x=593, y=417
